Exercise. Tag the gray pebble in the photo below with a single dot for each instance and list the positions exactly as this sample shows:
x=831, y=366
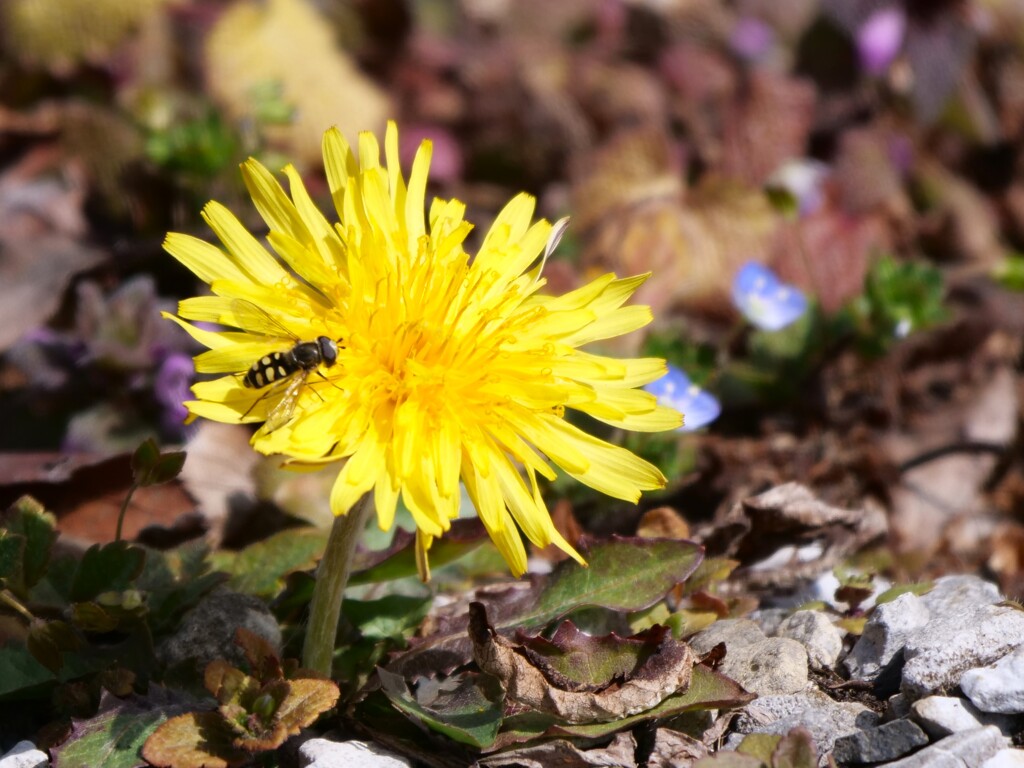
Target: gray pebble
x=886, y=742
x=822, y=640
x=967, y=749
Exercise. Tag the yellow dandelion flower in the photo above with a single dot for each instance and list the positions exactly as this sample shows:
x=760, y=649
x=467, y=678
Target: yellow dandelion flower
x=449, y=367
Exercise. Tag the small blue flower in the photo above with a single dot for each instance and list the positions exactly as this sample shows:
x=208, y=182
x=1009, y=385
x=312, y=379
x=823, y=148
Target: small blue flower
x=765, y=300
x=675, y=390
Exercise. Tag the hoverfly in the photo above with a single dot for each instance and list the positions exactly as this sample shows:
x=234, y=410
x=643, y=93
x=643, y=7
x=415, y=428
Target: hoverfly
x=287, y=368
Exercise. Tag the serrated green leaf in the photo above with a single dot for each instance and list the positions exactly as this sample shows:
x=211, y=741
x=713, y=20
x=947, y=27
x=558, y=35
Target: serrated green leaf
x=194, y=740
x=28, y=518
x=623, y=575
x=470, y=713
x=107, y=567
x=260, y=568
x=307, y=699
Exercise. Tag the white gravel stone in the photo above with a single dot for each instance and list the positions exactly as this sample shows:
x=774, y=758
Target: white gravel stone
x=953, y=596
x=1005, y=758
x=821, y=638
x=967, y=749
x=324, y=753
x=938, y=657
x=763, y=665
x=24, y=755
x=886, y=633
x=943, y=715
x=998, y=687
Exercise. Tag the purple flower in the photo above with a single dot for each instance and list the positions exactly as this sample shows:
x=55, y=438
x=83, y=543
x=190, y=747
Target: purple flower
x=675, y=390
x=751, y=38
x=880, y=38
x=764, y=300
x=171, y=388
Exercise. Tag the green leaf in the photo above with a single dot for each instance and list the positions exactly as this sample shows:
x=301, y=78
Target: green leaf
x=12, y=550
x=22, y=677
x=20, y=671
x=260, y=569
x=469, y=712
x=916, y=588
x=48, y=640
x=759, y=745
x=91, y=617
x=151, y=467
x=144, y=459
x=729, y=760
x=623, y=575
x=400, y=561
x=176, y=580
x=394, y=616
x=107, y=567
x=27, y=518
x=1010, y=272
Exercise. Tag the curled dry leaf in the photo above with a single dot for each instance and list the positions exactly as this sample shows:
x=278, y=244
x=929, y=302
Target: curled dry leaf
x=627, y=675
x=562, y=752
x=786, y=535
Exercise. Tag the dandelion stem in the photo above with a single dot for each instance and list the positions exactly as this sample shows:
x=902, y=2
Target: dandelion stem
x=331, y=578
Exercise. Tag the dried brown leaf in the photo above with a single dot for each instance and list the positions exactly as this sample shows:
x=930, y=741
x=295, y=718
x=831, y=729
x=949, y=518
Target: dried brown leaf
x=531, y=682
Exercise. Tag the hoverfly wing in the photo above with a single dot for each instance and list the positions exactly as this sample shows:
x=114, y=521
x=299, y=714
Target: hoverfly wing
x=255, y=319
x=282, y=411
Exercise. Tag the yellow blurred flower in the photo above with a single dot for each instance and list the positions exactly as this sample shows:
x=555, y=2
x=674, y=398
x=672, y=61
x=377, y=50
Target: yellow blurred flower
x=450, y=367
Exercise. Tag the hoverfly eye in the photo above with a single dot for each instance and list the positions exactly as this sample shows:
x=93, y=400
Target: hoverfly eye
x=328, y=350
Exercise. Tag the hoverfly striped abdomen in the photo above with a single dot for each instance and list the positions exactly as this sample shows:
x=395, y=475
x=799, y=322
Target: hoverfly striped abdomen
x=304, y=356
